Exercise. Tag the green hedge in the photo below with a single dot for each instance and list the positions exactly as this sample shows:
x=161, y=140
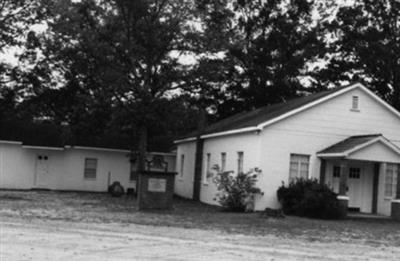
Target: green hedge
x=309, y=198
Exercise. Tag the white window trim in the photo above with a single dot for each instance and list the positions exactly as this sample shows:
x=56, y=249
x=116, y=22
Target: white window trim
x=299, y=163
x=223, y=161
x=240, y=161
x=355, y=100
x=207, y=169
x=182, y=167
x=394, y=185
x=84, y=168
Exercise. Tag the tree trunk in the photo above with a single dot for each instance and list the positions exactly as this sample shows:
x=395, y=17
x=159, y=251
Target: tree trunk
x=142, y=148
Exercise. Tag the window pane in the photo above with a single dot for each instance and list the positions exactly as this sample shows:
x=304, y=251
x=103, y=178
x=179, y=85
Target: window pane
x=208, y=168
x=240, y=161
x=336, y=171
x=90, y=168
x=299, y=166
x=389, y=181
x=182, y=164
x=223, y=161
x=90, y=173
x=91, y=163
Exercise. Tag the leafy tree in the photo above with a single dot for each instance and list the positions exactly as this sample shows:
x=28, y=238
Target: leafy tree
x=16, y=37
x=120, y=54
x=364, y=46
x=258, y=51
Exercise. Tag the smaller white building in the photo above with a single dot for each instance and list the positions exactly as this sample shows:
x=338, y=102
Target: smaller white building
x=346, y=136
x=73, y=168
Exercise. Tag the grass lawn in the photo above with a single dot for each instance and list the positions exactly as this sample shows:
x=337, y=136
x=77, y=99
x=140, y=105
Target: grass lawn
x=102, y=208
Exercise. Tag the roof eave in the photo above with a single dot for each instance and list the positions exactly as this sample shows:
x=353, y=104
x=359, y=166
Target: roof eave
x=332, y=155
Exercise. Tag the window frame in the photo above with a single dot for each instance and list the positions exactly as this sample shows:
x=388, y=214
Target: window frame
x=182, y=166
x=354, y=173
x=299, y=164
x=207, y=171
x=336, y=171
x=223, y=161
x=240, y=161
x=395, y=168
x=86, y=168
x=355, y=103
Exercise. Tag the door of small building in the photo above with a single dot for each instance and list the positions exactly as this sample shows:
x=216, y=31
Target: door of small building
x=42, y=171
x=355, y=188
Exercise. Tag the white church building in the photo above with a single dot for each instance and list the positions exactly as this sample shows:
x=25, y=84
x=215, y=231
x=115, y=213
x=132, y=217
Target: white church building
x=346, y=137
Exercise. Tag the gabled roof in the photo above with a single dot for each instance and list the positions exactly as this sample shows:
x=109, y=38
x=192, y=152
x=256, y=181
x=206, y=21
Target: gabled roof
x=355, y=143
x=258, y=119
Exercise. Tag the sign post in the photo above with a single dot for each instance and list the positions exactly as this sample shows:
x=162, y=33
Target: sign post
x=156, y=190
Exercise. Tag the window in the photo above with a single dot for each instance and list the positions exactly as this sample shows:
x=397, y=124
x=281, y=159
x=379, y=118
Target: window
x=182, y=165
x=355, y=103
x=240, y=161
x=299, y=165
x=223, y=161
x=354, y=173
x=90, y=168
x=208, y=168
x=336, y=172
x=392, y=172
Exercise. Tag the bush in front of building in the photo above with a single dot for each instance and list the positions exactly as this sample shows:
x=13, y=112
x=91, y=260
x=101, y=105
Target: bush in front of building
x=237, y=192
x=116, y=189
x=309, y=198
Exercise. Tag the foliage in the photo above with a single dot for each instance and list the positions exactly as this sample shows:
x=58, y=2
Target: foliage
x=117, y=69
x=235, y=190
x=309, y=198
x=364, y=46
x=259, y=52
x=18, y=44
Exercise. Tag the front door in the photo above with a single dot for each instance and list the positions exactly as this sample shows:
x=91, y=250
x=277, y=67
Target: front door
x=355, y=187
x=42, y=171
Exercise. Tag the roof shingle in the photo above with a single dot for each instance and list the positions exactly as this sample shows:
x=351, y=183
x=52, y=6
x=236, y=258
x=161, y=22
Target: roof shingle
x=349, y=143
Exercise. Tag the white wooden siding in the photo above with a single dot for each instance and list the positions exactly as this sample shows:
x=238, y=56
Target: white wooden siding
x=66, y=168
x=248, y=143
x=314, y=130
x=184, y=183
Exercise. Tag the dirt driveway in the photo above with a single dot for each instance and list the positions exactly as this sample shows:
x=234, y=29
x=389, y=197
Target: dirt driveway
x=58, y=240
x=40, y=225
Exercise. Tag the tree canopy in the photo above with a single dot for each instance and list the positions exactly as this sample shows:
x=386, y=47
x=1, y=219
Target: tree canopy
x=366, y=47
x=147, y=69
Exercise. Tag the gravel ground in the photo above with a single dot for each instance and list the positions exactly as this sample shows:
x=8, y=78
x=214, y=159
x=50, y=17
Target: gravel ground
x=37, y=225
x=58, y=240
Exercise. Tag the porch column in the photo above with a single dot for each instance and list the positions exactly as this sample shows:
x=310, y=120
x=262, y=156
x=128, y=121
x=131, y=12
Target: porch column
x=322, y=172
x=375, y=186
x=342, y=197
x=396, y=201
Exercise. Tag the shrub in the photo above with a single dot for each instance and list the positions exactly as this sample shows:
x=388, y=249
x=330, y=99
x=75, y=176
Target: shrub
x=309, y=198
x=116, y=189
x=237, y=192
